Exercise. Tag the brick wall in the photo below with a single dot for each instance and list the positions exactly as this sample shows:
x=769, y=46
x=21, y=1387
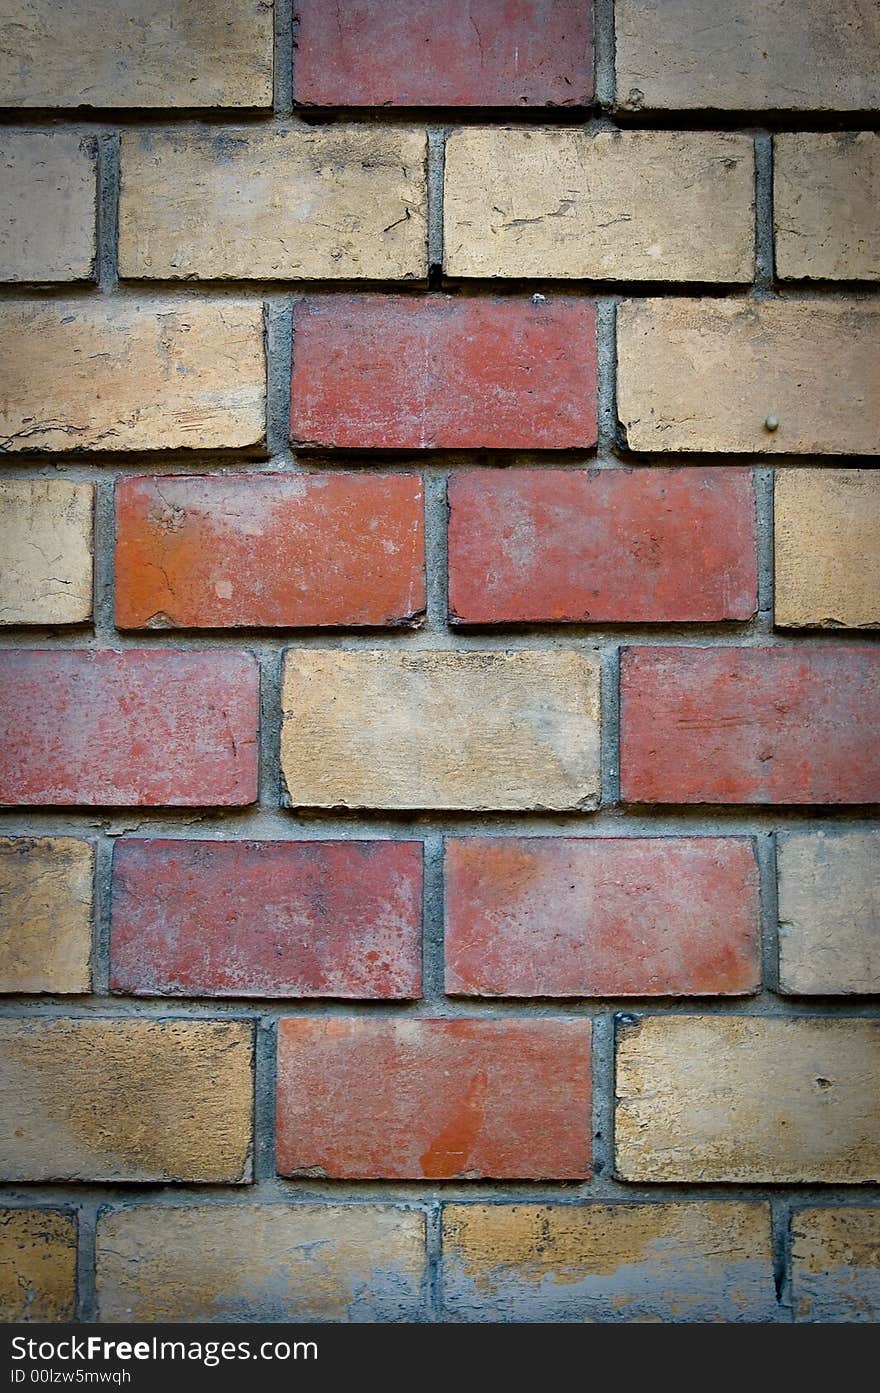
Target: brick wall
x=438, y=698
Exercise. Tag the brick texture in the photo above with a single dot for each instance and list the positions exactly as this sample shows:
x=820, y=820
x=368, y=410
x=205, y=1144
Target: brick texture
x=829, y=913
x=48, y=223
x=836, y=1265
x=827, y=548
x=46, y=533
x=826, y=187
x=45, y=915
x=37, y=1265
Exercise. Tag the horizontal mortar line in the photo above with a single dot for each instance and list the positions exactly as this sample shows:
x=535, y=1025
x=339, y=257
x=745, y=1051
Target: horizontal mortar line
x=249, y=1010
x=209, y=289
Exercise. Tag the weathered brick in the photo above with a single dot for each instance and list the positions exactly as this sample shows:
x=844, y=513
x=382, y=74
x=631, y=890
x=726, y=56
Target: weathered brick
x=708, y=375
x=827, y=548
x=413, y=729
x=335, y=202
x=602, y=545
x=367, y=1098
x=562, y=916
x=114, y=374
x=619, y=205
x=370, y=53
x=750, y=725
x=747, y=55
x=749, y=1099
x=614, y=1262
x=46, y=539
x=48, y=221
x=45, y=914
x=216, y=551
x=262, y=1262
x=126, y=1100
x=826, y=188
x=319, y=918
x=835, y=1265
x=829, y=912
x=406, y=372
x=150, y=728
x=37, y=1265
x=116, y=53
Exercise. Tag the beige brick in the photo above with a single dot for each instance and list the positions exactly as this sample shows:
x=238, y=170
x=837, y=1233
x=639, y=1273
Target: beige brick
x=835, y=1265
x=48, y=213
x=829, y=913
x=37, y=1265
x=827, y=548
x=386, y=729
x=750, y=1099
x=826, y=196
x=338, y=202
x=46, y=548
x=744, y=55
x=119, y=375
x=631, y=205
x=707, y=375
x=122, y=53
x=135, y=1100
x=45, y=914
x=261, y=1263
x=615, y=1262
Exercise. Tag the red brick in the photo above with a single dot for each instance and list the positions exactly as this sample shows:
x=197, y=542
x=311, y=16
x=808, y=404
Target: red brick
x=562, y=916
x=157, y=727
x=215, y=551
x=196, y=918
x=786, y=724
x=607, y=545
x=362, y=1098
x=460, y=53
x=398, y=372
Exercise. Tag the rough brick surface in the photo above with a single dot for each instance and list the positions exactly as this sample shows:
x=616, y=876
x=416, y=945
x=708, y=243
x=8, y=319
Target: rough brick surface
x=434, y=1099
x=474, y=53
x=152, y=727
x=46, y=540
x=225, y=550
x=750, y=725
x=37, y=1265
x=596, y=1262
x=826, y=187
x=117, y=53
x=829, y=912
x=396, y=372
x=196, y=918
x=760, y=1100
x=115, y=374
x=385, y=729
x=827, y=548
x=835, y=1265
x=559, y=916
x=45, y=914
x=697, y=375
x=126, y=1100
x=602, y=545
x=339, y=202
x=788, y=55
x=47, y=224
x=620, y=205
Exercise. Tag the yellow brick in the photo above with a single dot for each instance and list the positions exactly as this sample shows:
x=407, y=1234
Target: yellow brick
x=261, y=1262
x=826, y=192
x=751, y=1099
x=121, y=53
x=46, y=544
x=48, y=214
x=338, y=202
x=633, y=205
x=707, y=375
x=829, y=912
x=45, y=914
x=119, y=375
x=597, y=1262
x=37, y=1265
x=827, y=548
x=835, y=1265
x=387, y=729
x=127, y=1099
